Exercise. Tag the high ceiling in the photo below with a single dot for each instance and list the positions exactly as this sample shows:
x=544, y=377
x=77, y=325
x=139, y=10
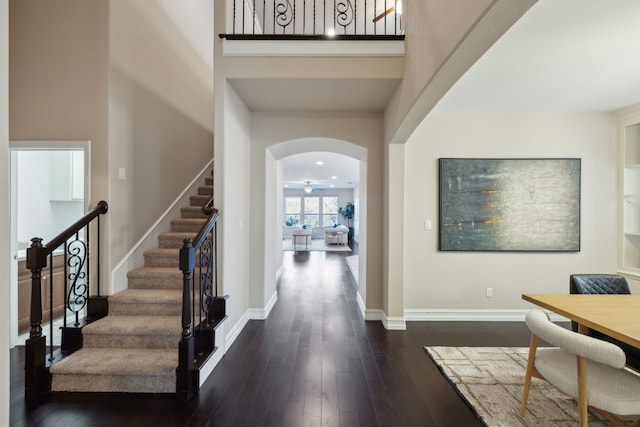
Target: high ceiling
x=561, y=56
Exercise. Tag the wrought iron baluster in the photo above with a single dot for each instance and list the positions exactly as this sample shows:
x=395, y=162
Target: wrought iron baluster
x=324, y=17
x=395, y=17
x=253, y=19
x=51, y=307
x=65, y=285
x=344, y=13
x=98, y=261
x=375, y=24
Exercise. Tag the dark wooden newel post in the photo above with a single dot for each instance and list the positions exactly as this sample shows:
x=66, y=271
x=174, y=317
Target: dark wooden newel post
x=37, y=379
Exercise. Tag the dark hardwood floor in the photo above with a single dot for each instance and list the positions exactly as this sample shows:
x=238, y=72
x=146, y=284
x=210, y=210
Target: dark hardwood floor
x=313, y=362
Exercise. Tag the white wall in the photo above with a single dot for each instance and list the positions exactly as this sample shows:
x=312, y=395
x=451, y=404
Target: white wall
x=5, y=296
x=362, y=133
x=235, y=205
x=37, y=215
x=442, y=41
x=457, y=280
x=160, y=109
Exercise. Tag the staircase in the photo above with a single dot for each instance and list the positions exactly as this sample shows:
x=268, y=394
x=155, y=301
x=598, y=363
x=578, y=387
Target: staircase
x=134, y=349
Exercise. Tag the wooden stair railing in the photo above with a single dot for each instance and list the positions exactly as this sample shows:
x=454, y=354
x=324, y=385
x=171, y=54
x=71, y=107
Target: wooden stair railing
x=201, y=304
x=76, y=245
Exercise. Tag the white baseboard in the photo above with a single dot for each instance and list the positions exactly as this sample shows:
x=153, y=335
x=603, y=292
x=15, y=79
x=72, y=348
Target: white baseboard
x=472, y=315
x=263, y=313
x=362, y=307
x=394, y=323
x=376, y=314
x=235, y=331
x=213, y=361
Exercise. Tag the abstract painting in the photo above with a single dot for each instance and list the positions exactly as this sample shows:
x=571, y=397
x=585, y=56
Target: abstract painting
x=509, y=205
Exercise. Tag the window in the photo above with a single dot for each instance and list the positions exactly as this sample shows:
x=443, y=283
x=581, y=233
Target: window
x=329, y=211
x=314, y=211
x=292, y=211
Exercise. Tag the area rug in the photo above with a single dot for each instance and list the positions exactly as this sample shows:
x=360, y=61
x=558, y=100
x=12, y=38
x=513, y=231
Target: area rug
x=316, y=245
x=491, y=380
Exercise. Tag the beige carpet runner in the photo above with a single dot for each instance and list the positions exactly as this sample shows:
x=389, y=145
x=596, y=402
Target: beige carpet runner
x=135, y=348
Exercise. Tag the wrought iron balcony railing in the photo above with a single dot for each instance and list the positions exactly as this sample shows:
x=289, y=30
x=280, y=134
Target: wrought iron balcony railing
x=315, y=19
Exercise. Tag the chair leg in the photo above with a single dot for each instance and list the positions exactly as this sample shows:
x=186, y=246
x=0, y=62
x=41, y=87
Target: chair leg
x=527, y=380
x=617, y=421
x=583, y=404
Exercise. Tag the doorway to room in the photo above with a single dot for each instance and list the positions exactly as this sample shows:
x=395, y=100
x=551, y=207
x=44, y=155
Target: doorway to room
x=357, y=157
x=320, y=190
x=49, y=183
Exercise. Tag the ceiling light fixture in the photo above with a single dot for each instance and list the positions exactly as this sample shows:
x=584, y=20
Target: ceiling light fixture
x=308, y=188
x=319, y=163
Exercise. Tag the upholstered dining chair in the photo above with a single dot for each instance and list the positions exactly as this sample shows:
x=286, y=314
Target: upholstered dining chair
x=590, y=370
x=604, y=284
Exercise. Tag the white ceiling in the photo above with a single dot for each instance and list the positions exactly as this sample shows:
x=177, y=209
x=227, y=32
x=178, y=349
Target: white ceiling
x=299, y=168
x=315, y=94
x=561, y=56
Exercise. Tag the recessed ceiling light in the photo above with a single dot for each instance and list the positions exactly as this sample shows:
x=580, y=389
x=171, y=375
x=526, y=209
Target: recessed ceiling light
x=319, y=163
x=332, y=186
x=286, y=186
x=334, y=177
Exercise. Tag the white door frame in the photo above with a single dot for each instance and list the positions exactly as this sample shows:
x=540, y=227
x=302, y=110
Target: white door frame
x=14, y=148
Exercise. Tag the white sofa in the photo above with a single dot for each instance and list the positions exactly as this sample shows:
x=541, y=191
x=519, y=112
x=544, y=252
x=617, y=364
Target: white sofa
x=336, y=235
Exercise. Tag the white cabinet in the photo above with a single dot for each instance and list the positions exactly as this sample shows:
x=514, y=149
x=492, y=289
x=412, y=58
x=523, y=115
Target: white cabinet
x=630, y=192
x=66, y=175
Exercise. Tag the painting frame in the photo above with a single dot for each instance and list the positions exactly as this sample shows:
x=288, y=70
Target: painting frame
x=509, y=204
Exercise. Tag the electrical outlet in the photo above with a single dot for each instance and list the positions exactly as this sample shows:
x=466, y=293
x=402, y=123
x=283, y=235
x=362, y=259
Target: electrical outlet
x=489, y=292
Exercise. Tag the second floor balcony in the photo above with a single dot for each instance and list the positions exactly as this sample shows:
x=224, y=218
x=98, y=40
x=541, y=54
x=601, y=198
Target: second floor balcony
x=314, y=20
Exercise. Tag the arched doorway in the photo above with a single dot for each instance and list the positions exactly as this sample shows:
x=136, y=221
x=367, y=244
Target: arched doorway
x=273, y=219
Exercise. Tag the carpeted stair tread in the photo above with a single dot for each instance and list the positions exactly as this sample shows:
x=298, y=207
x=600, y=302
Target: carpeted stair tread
x=199, y=200
x=162, y=257
x=187, y=224
x=136, y=325
x=121, y=331
x=155, y=278
x=205, y=190
x=192, y=212
x=120, y=361
x=175, y=239
x=117, y=370
x=146, y=302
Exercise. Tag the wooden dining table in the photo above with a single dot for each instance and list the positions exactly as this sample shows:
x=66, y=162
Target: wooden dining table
x=615, y=315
